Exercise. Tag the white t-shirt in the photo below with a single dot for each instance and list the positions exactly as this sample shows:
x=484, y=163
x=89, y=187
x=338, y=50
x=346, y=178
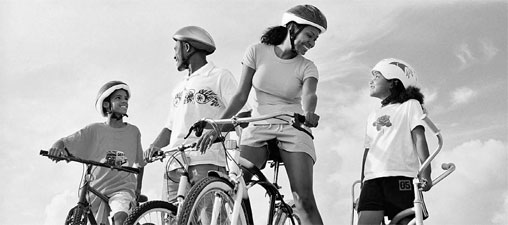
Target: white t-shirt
x=204, y=94
x=277, y=82
x=388, y=137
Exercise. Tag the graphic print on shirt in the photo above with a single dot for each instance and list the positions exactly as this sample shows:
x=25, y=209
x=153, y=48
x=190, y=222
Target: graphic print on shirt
x=382, y=121
x=201, y=97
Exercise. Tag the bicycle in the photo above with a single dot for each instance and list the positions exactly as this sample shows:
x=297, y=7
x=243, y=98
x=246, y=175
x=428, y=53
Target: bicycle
x=418, y=212
x=223, y=198
x=82, y=212
x=162, y=212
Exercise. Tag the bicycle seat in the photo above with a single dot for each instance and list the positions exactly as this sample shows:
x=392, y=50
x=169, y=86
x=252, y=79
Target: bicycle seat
x=273, y=151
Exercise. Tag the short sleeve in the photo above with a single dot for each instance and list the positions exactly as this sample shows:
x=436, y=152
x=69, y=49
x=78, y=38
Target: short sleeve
x=227, y=86
x=249, y=59
x=80, y=142
x=310, y=70
x=415, y=114
x=139, y=151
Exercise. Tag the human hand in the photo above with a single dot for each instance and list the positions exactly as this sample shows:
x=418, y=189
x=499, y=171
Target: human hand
x=57, y=151
x=206, y=140
x=149, y=153
x=311, y=119
x=425, y=184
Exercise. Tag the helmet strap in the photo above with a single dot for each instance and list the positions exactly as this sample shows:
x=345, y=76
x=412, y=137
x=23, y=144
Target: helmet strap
x=293, y=32
x=185, y=60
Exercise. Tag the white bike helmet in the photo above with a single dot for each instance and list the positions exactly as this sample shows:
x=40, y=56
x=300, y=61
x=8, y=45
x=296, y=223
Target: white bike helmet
x=105, y=91
x=305, y=15
x=197, y=37
x=397, y=69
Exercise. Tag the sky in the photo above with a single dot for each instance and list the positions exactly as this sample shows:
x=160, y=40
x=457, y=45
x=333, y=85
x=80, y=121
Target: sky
x=56, y=54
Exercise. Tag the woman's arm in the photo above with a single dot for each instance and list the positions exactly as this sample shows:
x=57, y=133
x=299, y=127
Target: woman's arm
x=418, y=135
x=309, y=101
x=237, y=102
x=242, y=93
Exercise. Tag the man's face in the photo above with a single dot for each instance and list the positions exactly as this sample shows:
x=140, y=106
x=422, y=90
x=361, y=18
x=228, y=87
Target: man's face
x=180, y=64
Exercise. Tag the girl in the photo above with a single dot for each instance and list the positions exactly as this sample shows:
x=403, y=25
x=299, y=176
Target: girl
x=395, y=141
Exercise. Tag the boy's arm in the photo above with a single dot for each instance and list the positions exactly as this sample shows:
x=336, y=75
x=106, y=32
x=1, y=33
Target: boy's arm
x=418, y=135
x=58, y=149
x=140, y=182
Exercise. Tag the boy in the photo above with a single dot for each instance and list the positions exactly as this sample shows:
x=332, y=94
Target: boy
x=93, y=142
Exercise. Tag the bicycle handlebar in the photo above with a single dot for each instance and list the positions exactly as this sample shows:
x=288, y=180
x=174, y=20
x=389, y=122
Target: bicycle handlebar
x=436, y=131
x=297, y=122
x=160, y=155
x=90, y=162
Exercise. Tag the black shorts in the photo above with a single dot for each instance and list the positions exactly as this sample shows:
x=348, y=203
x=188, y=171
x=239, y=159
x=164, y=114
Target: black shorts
x=388, y=194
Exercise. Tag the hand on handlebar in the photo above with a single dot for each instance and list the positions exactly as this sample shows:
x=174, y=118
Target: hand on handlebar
x=150, y=153
x=206, y=140
x=311, y=119
x=425, y=183
x=58, y=152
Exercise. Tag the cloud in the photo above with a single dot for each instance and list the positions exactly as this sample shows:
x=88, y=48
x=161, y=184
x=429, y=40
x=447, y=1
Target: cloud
x=463, y=95
x=480, y=180
x=482, y=50
x=56, y=211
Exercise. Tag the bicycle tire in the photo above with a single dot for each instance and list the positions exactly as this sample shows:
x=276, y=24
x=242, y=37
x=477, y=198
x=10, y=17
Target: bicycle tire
x=282, y=217
x=152, y=213
x=200, y=200
x=76, y=216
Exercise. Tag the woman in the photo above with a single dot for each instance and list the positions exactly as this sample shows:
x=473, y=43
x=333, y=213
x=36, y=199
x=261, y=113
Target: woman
x=283, y=81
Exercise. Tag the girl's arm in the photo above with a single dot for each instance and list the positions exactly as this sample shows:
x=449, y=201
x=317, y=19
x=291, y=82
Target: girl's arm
x=309, y=101
x=418, y=134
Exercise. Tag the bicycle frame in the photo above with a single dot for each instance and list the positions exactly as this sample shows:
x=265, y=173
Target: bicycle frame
x=184, y=178
x=418, y=207
x=236, y=174
x=88, y=177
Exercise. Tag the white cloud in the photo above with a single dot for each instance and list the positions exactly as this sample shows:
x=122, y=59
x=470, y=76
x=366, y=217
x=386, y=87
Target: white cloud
x=56, y=211
x=480, y=51
x=463, y=95
x=479, y=179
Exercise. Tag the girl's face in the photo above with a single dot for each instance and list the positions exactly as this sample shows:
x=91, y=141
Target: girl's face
x=379, y=86
x=306, y=39
x=119, y=101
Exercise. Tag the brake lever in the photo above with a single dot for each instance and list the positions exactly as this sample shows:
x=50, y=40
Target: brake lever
x=298, y=120
x=197, y=127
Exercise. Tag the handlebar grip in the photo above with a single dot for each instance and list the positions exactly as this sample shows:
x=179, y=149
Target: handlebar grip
x=43, y=153
x=431, y=124
x=447, y=166
x=300, y=118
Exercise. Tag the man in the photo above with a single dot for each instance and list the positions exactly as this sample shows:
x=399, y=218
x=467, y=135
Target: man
x=204, y=93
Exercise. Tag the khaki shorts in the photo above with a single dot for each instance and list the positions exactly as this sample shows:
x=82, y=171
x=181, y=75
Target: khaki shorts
x=196, y=173
x=120, y=202
x=290, y=139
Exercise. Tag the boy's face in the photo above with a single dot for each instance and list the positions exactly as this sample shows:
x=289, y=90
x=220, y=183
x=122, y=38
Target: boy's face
x=119, y=101
x=379, y=86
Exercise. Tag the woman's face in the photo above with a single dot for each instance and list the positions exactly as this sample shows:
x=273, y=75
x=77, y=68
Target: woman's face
x=306, y=39
x=379, y=86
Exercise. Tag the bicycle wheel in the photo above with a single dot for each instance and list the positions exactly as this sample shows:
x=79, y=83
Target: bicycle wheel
x=197, y=207
x=76, y=216
x=282, y=216
x=153, y=213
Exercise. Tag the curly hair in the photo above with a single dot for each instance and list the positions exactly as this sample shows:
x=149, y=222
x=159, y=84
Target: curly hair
x=400, y=94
